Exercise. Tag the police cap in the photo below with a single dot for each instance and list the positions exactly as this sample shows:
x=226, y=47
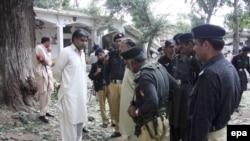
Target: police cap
x=169, y=44
x=118, y=35
x=208, y=31
x=132, y=52
x=245, y=48
x=176, y=37
x=185, y=37
x=98, y=50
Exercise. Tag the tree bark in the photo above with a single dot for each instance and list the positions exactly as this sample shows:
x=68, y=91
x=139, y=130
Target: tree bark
x=149, y=48
x=208, y=19
x=235, y=28
x=17, y=40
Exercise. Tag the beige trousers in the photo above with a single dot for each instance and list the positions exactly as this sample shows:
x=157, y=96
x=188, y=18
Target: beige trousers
x=132, y=138
x=45, y=89
x=44, y=99
x=161, y=131
x=114, y=96
x=220, y=135
x=102, y=97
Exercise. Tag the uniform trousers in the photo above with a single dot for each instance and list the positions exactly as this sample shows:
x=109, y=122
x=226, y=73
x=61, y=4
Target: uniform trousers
x=161, y=130
x=69, y=131
x=103, y=95
x=220, y=135
x=178, y=133
x=114, y=95
x=132, y=138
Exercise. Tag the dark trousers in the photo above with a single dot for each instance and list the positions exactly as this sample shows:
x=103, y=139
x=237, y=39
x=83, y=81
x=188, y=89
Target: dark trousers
x=240, y=96
x=177, y=134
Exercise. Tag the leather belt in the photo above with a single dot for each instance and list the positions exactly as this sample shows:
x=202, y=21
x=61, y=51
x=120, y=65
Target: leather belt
x=116, y=81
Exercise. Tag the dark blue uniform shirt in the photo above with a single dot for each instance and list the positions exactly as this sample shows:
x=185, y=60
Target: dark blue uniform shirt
x=213, y=98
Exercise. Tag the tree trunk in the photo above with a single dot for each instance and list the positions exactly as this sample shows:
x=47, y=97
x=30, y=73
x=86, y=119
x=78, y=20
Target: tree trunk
x=235, y=28
x=17, y=40
x=149, y=47
x=208, y=19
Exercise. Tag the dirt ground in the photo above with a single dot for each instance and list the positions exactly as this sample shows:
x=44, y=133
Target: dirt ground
x=12, y=128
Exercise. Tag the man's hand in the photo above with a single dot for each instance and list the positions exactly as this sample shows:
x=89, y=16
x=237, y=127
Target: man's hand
x=99, y=70
x=131, y=111
x=49, y=49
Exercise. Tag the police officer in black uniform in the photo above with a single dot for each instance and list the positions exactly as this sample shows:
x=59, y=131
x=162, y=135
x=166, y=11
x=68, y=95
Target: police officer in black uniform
x=184, y=76
x=214, y=95
x=96, y=74
x=186, y=42
x=114, y=71
x=241, y=63
x=154, y=86
x=167, y=59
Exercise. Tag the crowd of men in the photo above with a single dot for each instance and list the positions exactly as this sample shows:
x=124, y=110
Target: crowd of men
x=190, y=92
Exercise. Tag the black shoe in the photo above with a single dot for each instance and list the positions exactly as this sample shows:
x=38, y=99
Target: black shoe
x=44, y=119
x=84, y=130
x=104, y=125
x=49, y=115
x=115, y=135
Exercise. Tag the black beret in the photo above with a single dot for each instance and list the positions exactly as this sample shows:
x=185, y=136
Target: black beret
x=169, y=44
x=208, y=31
x=176, y=37
x=246, y=48
x=132, y=52
x=98, y=50
x=185, y=37
x=118, y=35
x=160, y=49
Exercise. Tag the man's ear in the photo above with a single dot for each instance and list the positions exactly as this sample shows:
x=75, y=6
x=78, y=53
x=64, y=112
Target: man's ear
x=206, y=44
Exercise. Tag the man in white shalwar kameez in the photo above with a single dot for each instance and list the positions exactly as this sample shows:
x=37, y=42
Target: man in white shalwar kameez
x=127, y=125
x=70, y=71
x=44, y=77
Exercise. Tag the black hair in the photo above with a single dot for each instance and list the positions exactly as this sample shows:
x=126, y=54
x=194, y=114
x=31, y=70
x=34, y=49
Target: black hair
x=187, y=42
x=130, y=42
x=45, y=39
x=217, y=44
x=80, y=33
